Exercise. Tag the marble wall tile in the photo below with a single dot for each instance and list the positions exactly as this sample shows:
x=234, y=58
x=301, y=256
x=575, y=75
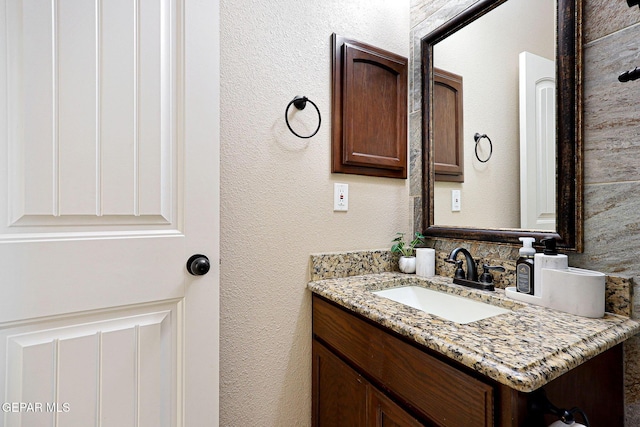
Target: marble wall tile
x=417, y=213
x=415, y=154
x=612, y=149
x=415, y=73
x=432, y=15
x=604, y=17
x=611, y=110
x=421, y=10
x=612, y=228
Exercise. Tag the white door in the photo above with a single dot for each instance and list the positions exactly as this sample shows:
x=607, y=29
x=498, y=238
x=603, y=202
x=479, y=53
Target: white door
x=537, y=143
x=109, y=182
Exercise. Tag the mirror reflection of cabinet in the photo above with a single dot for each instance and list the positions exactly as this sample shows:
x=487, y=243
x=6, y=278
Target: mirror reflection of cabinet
x=447, y=126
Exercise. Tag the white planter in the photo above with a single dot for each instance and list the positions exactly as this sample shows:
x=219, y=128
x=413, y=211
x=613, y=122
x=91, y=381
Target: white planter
x=407, y=264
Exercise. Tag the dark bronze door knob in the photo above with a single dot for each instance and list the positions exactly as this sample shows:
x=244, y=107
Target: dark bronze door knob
x=198, y=265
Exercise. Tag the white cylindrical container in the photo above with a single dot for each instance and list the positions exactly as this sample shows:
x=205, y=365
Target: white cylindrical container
x=548, y=259
x=425, y=262
x=553, y=262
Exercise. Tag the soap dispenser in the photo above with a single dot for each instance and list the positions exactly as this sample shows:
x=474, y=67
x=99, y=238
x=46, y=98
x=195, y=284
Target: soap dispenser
x=525, y=272
x=549, y=259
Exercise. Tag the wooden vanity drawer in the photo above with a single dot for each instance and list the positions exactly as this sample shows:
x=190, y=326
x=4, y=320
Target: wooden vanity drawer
x=438, y=391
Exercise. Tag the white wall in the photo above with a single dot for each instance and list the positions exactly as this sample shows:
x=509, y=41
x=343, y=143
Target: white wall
x=489, y=67
x=277, y=193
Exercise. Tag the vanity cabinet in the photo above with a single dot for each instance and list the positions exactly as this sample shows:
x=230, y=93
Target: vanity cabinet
x=348, y=399
x=366, y=375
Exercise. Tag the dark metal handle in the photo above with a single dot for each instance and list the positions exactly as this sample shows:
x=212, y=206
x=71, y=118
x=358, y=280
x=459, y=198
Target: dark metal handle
x=459, y=273
x=630, y=75
x=488, y=267
x=486, y=276
x=198, y=265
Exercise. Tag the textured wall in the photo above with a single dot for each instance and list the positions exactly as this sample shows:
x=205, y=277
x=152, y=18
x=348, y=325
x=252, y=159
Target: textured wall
x=611, y=152
x=277, y=193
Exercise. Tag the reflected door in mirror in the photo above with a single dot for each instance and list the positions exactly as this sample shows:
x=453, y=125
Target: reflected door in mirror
x=537, y=142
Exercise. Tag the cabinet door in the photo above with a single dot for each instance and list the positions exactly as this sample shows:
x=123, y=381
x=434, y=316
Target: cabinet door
x=339, y=392
x=369, y=110
x=436, y=390
x=448, y=134
x=384, y=412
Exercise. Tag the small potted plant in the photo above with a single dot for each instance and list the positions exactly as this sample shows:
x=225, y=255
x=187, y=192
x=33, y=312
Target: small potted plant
x=407, y=261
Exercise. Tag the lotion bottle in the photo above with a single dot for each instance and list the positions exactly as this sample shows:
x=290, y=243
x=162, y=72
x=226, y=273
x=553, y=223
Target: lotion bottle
x=525, y=266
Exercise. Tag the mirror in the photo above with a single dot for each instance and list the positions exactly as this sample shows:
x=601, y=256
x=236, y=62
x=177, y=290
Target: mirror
x=568, y=144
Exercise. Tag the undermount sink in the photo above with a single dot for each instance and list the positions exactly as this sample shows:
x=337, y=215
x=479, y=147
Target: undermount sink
x=451, y=307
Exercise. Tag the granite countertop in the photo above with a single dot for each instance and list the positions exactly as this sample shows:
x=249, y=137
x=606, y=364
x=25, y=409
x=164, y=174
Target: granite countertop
x=524, y=349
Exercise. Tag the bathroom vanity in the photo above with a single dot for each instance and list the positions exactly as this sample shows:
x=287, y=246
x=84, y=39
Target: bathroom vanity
x=377, y=362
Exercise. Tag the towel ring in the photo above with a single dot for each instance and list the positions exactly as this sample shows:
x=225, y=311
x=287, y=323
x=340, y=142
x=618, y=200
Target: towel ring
x=300, y=102
x=477, y=137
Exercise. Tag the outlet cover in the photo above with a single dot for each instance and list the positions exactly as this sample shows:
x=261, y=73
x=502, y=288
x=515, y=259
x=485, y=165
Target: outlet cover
x=340, y=197
x=455, y=200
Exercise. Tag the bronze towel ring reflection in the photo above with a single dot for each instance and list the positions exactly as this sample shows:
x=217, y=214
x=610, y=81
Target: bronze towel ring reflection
x=300, y=102
x=477, y=137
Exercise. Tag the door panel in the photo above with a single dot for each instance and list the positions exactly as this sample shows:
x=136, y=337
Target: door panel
x=91, y=163
x=92, y=126
x=384, y=412
x=103, y=156
x=339, y=392
x=49, y=276
x=115, y=367
x=537, y=143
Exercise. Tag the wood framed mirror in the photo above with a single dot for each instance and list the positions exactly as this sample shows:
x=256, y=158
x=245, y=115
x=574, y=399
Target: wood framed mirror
x=568, y=132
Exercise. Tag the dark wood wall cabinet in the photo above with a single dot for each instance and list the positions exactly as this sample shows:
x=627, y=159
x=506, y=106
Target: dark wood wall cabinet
x=448, y=137
x=369, y=110
x=365, y=375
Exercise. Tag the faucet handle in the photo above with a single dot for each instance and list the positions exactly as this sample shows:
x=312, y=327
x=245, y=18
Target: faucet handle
x=459, y=274
x=486, y=276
